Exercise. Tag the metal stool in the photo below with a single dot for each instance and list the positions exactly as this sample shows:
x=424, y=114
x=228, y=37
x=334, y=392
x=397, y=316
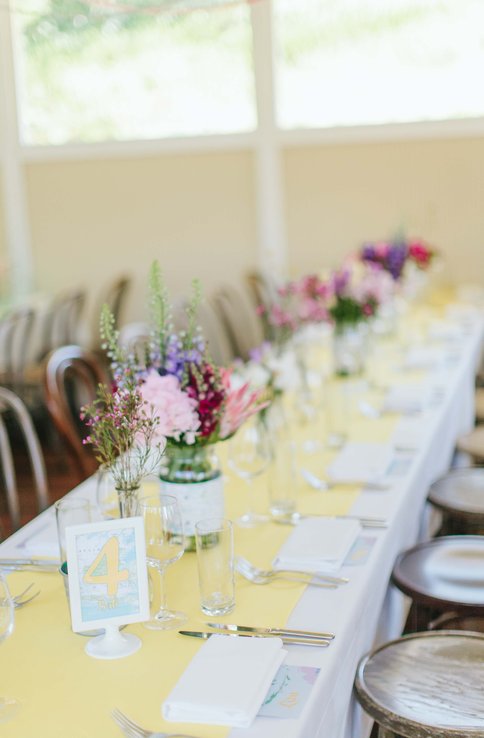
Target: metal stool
x=425, y=685
x=442, y=575
x=460, y=496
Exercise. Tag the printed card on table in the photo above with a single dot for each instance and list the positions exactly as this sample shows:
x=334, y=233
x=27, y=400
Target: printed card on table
x=289, y=691
x=108, y=581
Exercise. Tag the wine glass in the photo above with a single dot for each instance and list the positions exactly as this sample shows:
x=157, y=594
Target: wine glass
x=165, y=544
x=8, y=705
x=249, y=456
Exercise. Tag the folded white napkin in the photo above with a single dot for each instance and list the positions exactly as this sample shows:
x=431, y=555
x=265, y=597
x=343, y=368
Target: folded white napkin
x=444, y=331
x=426, y=357
x=407, y=399
x=361, y=463
x=409, y=435
x=318, y=544
x=226, y=682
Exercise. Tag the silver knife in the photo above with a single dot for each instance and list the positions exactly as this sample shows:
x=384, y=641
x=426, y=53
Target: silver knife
x=271, y=631
x=29, y=564
x=301, y=640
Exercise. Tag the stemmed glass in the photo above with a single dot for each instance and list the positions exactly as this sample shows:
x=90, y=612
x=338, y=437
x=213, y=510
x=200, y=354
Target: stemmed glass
x=8, y=706
x=249, y=456
x=165, y=544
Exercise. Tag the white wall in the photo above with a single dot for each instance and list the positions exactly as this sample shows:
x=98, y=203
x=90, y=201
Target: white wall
x=91, y=220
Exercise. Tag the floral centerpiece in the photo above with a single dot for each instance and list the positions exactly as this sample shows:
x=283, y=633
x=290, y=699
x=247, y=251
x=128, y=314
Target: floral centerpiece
x=194, y=401
x=352, y=300
x=123, y=432
x=394, y=256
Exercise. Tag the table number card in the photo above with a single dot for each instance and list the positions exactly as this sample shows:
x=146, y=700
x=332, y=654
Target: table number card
x=108, y=582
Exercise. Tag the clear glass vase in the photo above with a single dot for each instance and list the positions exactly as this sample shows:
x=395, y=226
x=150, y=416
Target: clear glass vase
x=349, y=349
x=128, y=500
x=192, y=475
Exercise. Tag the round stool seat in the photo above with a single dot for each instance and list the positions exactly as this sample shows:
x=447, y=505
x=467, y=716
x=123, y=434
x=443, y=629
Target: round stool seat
x=425, y=685
x=460, y=495
x=445, y=573
x=473, y=443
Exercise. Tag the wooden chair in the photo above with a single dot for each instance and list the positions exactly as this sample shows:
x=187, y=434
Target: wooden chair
x=425, y=685
x=71, y=378
x=61, y=323
x=443, y=575
x=12, y=408
x=241, y=322
x=459, y=495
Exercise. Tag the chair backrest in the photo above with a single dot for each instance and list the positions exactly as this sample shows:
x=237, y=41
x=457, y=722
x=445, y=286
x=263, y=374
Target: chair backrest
x=61, y=324
x=15, y=340
x=262, y=287
x=13, y=406
x=135, y=339
x=71, y=379
x=240, y=319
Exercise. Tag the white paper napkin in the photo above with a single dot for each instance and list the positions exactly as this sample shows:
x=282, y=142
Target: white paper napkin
x=226, y=682
x=361, y=463
x=426, y=357
x=407, y=399
x=318, y=544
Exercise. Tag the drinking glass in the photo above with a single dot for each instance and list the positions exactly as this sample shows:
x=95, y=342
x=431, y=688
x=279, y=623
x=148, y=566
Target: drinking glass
x=215, y=558
x=106, y=494
x=8, y=705
x=164, y=545
x=70, y=511
x=249, y=456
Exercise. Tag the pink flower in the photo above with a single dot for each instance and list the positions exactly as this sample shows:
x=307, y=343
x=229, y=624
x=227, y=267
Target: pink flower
x=240, y=404
x=175, y=409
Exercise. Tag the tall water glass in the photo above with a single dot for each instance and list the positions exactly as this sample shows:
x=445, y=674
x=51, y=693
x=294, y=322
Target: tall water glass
x=8, y=705
x=249, y=456
x=165, y=544
x=215, y=559
x=70, y=511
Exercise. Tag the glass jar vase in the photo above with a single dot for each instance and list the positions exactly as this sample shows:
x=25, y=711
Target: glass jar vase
x=349, y=348
x=192, y=475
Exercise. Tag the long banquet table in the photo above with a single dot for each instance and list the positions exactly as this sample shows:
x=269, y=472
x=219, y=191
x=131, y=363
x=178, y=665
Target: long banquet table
x=64, y=693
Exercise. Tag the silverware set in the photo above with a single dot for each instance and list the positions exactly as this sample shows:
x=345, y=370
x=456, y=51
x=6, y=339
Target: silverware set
x=266, y=576
x=24, y=597
x=133, y=730
x=39, y=565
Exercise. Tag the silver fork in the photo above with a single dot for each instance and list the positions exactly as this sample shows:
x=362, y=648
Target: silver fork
x=20, y=600
x=264, y=576
x=133, y=730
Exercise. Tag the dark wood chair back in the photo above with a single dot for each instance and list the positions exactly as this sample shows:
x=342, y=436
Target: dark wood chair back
x=72, y=375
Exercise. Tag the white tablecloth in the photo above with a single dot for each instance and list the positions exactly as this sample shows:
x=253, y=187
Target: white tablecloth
x=366, y=611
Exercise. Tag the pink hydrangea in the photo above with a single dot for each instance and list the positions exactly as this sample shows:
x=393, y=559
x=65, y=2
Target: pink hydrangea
x=175, y=409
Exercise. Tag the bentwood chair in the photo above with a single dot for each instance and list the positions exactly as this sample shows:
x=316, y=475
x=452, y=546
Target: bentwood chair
x=13, y=409
x=62, y=321
x=71, y=379
x=425, y=685
x=240, y=319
